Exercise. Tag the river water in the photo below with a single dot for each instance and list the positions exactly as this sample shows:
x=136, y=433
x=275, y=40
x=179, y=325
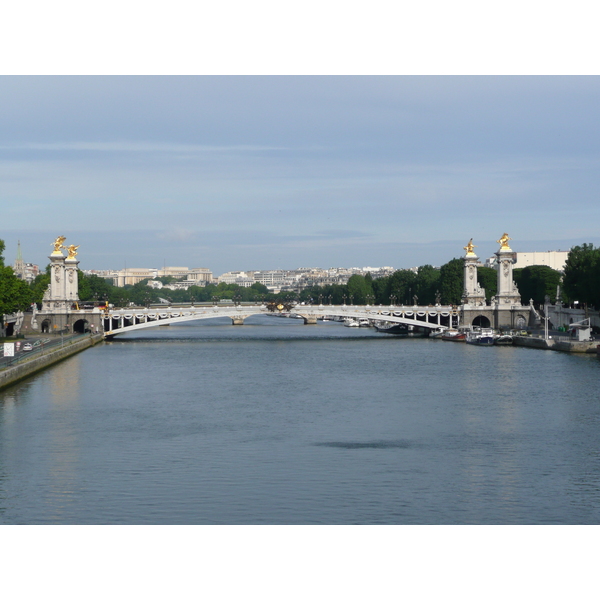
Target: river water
x=276, y=422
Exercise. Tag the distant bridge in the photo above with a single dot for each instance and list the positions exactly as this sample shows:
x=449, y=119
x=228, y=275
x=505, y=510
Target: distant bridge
x=123, y=320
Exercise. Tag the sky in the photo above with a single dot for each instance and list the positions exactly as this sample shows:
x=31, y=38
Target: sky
x=280, y=172
x=256, y=146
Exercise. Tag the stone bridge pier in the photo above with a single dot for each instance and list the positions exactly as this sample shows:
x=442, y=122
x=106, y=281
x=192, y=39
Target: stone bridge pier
x=309, y=319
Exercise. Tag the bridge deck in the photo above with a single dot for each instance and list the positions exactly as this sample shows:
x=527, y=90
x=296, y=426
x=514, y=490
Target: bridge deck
x=122, y=320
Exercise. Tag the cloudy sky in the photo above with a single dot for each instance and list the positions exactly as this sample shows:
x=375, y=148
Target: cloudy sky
x=264, y=172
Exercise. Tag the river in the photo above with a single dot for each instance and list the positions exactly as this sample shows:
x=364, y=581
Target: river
x=275, y=422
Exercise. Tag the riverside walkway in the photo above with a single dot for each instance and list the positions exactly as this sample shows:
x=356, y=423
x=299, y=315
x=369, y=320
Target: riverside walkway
x=44, y=354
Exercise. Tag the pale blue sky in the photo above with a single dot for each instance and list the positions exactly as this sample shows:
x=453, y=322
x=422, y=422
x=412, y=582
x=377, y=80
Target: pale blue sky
x=250, y=172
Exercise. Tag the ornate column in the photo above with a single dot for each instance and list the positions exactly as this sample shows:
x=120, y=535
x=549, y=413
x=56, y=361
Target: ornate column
x=473, y=293
x=71, y=281
x=508, y=293
x=54, y=298
x=64, y=288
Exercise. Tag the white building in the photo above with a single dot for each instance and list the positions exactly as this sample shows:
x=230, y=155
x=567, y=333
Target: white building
x=555, y=259
x=131, y=276
x=241, y=278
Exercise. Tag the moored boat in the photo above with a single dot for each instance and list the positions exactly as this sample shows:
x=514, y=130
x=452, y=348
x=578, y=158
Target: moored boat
x=453, y=335
x=504, y=340
x=480, y=337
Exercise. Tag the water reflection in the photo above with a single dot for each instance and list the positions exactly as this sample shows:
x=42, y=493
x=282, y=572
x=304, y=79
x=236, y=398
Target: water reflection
x=64, y=436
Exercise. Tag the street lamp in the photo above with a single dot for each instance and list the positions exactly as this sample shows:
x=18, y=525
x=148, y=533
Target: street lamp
x=392, y=300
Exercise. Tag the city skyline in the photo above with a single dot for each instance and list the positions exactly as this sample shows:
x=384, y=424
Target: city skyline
x=242, y=173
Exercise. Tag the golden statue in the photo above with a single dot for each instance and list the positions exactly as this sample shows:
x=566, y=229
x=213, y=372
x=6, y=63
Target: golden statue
x=72, y=251
x=469, y=247
x=503, y=241
x=57, y=243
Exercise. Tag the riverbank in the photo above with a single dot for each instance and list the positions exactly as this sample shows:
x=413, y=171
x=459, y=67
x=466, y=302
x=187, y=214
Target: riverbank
x=557, y=344
x=31, y=364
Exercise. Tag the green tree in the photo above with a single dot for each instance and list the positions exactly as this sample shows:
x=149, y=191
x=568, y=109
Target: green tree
x=15, y=294
x=401, y=285
x=452, y=281
x=428, y=278
x=536, y=282
x=487, y=278
x=581, y=280
x=359, y=288
x=39, y=286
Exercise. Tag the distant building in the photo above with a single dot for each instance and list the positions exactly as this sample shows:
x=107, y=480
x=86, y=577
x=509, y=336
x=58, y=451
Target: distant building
x=26, y=271
x=131, y=276
x=240, y=278
x=555, y=259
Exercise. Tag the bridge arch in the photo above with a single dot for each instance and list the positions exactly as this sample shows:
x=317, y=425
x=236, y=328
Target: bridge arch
x=46, y=326
x=81, y=326
x=481, y=321
x=520, y=322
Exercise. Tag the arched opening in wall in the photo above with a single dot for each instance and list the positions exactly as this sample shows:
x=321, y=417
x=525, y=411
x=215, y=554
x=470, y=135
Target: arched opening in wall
x=46, y=326
x=521, y=322
x=481, y=321
x=81, y=326
x=10, y=329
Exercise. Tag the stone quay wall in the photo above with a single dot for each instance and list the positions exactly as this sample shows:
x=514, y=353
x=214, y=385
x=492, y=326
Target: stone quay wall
x=13, y=374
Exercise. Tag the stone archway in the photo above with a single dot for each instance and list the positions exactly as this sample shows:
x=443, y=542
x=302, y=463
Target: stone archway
x=521, y=322
x=81, y=326
x=46, y=325
x=481, y=321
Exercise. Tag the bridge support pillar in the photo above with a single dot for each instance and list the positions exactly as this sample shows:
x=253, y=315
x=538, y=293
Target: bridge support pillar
x=310, y=320
x=237, y=320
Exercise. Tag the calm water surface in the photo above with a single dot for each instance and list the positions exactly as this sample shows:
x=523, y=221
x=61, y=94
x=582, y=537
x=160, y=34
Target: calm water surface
x=280, y=423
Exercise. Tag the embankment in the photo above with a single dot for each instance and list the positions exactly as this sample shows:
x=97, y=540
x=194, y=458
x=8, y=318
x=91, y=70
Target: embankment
x=15, y=373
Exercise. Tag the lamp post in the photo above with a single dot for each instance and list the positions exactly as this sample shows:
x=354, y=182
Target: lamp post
x=392, y=300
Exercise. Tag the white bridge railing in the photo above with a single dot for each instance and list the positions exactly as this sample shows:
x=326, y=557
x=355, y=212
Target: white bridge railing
x=118, y=321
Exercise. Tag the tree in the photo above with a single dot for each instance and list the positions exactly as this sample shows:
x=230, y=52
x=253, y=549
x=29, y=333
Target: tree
x=536, y=282
x=402, y=285
x=487, y=278
x=452, y=281
x=39, y=286
x=15, y=294
x=359, y=288
x=427, y=284
x=581, y=280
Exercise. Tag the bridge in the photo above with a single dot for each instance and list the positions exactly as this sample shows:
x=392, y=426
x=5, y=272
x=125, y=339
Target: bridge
x=123, y=320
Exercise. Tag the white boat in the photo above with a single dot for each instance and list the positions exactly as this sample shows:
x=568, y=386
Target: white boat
x=481, y=337
x=350, y=323
x=437, y=333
